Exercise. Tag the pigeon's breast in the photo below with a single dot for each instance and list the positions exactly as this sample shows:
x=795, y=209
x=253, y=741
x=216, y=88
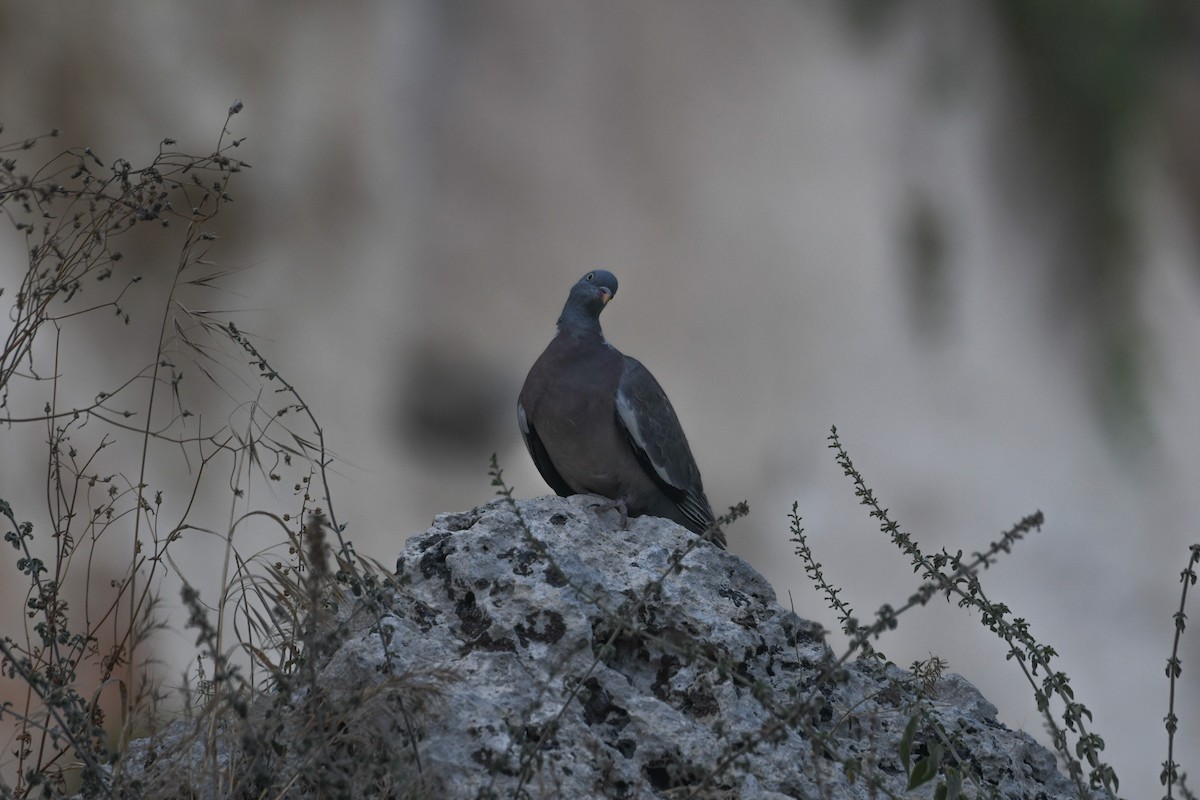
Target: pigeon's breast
x=575, y=416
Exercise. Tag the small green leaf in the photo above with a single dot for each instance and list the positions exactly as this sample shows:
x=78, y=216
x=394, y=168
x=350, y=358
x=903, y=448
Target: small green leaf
x=927, y=768
x=910, y=730
x=922, y=773
x=953, y=784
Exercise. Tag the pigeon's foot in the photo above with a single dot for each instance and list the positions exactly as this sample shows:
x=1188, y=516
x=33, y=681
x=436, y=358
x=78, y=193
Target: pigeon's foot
x=619, y=505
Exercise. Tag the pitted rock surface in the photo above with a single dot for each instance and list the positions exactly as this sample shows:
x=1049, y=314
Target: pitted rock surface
x=586, y=665
x=592, y=667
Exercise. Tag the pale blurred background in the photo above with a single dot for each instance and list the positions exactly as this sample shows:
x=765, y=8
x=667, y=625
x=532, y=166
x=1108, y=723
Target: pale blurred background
x=965, y=233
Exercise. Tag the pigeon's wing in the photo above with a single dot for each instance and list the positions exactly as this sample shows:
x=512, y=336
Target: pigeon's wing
x=649, y=422
x=541, y=459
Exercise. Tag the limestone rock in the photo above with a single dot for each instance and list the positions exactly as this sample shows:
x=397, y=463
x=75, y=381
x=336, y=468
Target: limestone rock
x=576, y=662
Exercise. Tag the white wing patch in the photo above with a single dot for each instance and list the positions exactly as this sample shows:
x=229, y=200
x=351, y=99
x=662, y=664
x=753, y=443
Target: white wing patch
x=629, y=419
x=522, y=420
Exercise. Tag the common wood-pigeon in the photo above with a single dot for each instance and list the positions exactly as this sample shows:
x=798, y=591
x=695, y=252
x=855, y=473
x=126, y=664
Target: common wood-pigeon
x=596, y=421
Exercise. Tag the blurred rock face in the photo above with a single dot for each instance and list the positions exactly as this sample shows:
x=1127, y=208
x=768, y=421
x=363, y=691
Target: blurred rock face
x=817, y=218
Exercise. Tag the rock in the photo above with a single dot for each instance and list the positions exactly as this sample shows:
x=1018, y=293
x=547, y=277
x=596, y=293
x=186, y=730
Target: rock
x=574, y=661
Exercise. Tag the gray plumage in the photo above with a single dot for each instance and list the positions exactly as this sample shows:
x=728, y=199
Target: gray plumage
x=596, y=421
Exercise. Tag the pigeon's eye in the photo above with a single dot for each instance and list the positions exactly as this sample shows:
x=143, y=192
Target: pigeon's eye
x=591, y=276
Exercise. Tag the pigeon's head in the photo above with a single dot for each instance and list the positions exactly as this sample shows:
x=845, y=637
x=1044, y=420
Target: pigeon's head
x=589, y=296
x=600, y=284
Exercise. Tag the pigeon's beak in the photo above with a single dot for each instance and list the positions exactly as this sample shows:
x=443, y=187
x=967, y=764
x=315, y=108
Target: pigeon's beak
x=605, y=295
